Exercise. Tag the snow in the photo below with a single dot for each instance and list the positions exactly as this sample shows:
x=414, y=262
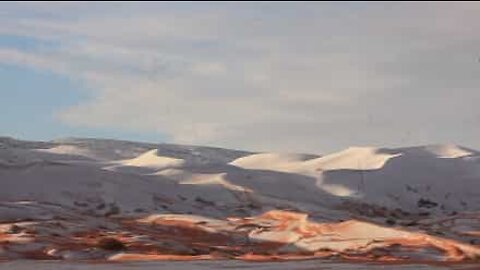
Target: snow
x=272, y=161
x=151, y=159
x=397, y=178
x=98, y=181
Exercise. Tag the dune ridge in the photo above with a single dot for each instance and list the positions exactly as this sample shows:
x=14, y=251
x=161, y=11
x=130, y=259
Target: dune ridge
x=169, y=202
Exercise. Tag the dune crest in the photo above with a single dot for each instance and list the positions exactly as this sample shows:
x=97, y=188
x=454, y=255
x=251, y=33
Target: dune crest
x=151, y=159
x=173, y=202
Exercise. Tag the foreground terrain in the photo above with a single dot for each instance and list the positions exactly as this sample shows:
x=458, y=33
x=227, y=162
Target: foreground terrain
x=228, y=264
x=105, y=200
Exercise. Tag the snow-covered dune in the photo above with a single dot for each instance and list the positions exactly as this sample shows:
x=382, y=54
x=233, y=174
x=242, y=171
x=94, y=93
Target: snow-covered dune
x=94, y=184
x=272, y=161
x=407, y=178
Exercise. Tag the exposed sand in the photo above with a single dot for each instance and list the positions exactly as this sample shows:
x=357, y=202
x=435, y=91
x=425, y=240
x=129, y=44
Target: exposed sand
x=167, y=202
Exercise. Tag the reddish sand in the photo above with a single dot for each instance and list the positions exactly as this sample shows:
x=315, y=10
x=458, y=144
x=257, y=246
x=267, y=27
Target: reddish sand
x=275, y=235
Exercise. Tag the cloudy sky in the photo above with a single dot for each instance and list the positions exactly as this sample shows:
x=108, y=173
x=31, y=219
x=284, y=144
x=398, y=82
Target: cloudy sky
x=304, y=77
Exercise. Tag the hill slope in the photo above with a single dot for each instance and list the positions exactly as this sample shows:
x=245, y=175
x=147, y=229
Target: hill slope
x=81, y=189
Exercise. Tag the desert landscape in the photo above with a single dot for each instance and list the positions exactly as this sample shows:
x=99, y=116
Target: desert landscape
x=252, y=135
x=103, y=201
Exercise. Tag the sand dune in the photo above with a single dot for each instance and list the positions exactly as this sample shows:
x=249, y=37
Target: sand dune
x=152, y=160
x=272, y=161
x=363, y=203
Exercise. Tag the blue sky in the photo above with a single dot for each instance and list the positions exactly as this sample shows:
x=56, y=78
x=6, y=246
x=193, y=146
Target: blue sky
x=32, y=96
x=309, y=77
x=30, y=99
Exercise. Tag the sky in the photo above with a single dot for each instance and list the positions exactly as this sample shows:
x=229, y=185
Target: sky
x=267, y=76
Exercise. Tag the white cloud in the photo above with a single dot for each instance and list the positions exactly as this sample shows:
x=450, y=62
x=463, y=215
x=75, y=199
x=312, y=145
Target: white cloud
x=296, y=77
x=209, y=69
